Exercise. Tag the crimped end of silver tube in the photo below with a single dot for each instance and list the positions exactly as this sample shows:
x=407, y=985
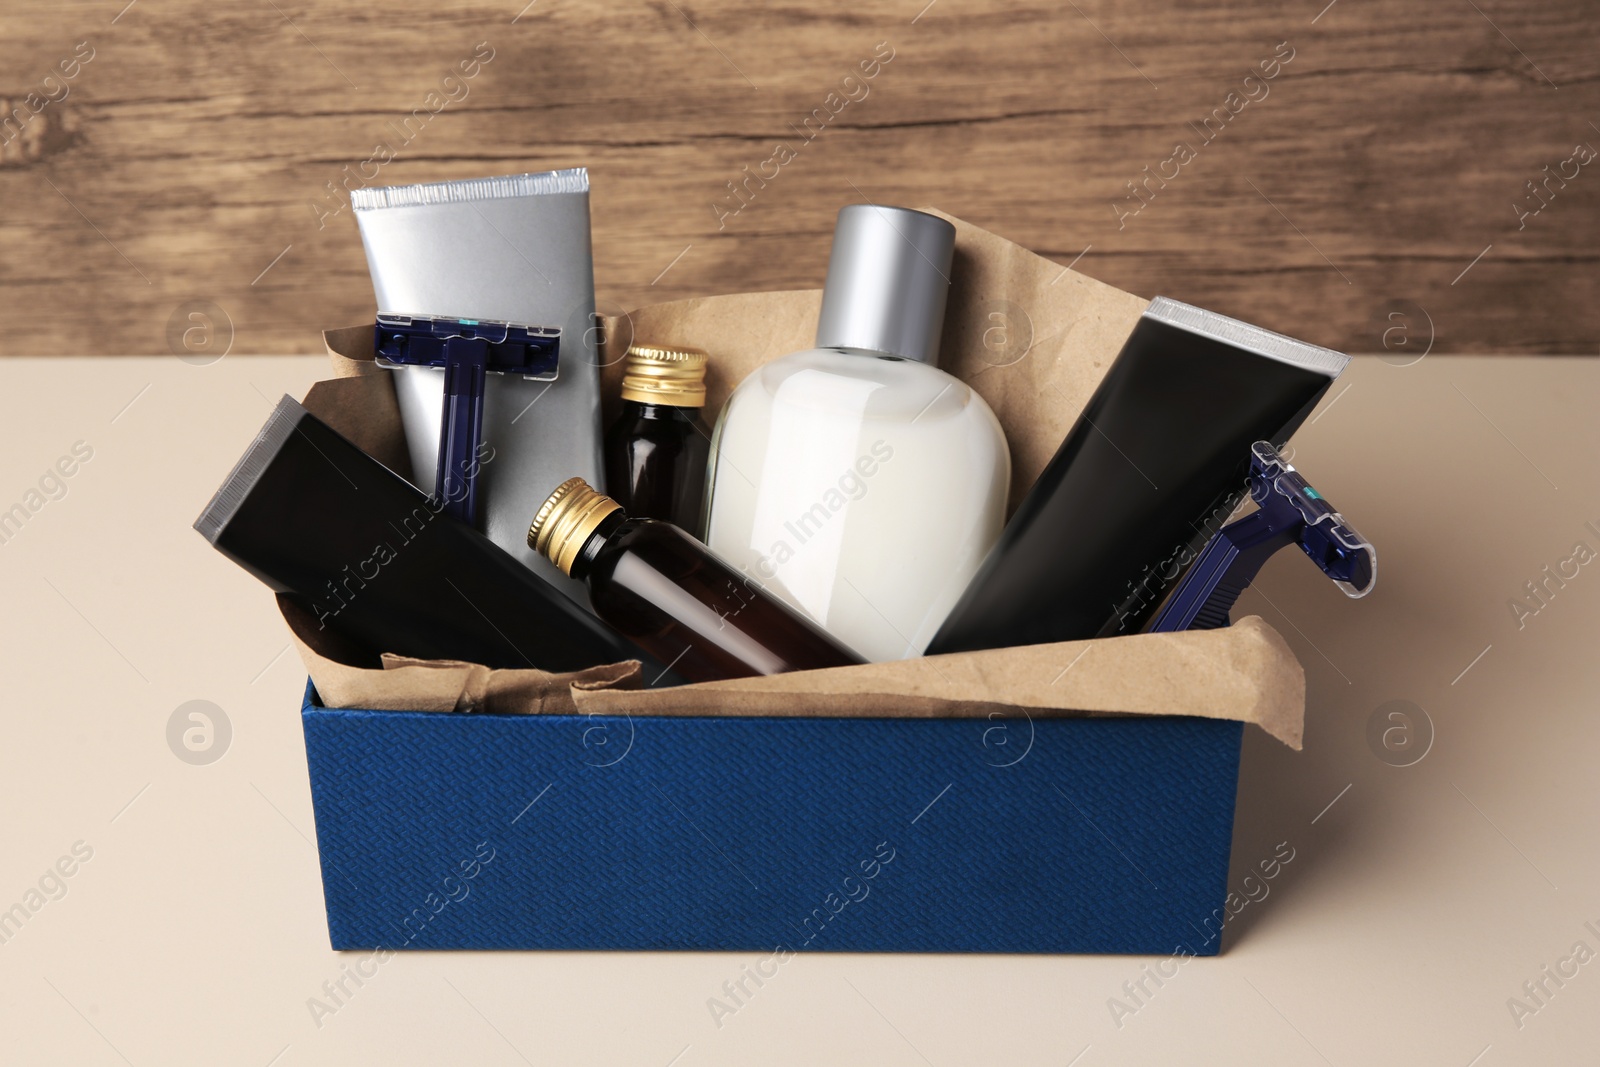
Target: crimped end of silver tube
x=573, y=180
x=1250, y=338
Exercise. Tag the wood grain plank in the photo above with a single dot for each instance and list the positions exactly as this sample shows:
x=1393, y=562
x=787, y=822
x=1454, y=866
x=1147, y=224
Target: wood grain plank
x=190, y=156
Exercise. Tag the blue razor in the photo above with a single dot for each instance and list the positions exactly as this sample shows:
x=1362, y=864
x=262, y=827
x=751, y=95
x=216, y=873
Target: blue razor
x=1289, y=512
x=469, y=350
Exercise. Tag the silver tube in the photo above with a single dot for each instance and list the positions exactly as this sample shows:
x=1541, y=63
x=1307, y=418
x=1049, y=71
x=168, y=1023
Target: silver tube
x=513, y=248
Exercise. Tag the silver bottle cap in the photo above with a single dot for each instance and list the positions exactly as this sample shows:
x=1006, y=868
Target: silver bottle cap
x=887, y=281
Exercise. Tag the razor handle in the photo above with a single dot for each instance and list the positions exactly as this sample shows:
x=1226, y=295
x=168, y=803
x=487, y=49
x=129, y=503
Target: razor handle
x=456, y=478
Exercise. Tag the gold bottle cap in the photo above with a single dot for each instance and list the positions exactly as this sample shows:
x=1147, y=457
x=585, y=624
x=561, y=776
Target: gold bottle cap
x=655, y=374
x=565, y=521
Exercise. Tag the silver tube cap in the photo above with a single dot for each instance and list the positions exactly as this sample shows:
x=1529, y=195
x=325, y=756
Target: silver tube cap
x=888, y=278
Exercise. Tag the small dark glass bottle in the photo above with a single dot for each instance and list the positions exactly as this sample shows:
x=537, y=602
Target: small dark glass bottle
x=673, y=596
x=657, y=449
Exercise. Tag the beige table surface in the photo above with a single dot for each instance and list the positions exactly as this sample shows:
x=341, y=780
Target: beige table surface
x=1420, y=899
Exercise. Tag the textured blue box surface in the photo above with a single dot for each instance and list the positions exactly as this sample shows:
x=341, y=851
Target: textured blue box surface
x=451, y=831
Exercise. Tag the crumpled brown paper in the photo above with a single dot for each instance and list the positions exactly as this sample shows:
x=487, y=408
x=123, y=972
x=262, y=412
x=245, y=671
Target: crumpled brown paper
x=345, y=677
x=1033, y=339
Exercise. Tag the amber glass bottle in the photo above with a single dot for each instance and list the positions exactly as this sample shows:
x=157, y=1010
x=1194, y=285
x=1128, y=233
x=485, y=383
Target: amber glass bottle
x=677, y=600
x=657, y=449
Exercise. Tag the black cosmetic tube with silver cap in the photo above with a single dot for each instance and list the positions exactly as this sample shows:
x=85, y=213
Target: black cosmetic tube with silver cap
x=374, y=559
x=1150, y=471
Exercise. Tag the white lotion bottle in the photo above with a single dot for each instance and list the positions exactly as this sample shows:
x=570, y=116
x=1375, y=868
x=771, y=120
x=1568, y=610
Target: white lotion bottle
x=856, y=480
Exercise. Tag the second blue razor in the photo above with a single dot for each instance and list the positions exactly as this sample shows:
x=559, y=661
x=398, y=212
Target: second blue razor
x=1289, y=512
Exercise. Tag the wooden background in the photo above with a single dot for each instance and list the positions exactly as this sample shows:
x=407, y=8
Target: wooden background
x=185, y=163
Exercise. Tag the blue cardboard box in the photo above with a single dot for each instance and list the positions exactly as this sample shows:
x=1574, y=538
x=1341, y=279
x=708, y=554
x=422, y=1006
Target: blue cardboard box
x=762, y=832
x=1046, y=835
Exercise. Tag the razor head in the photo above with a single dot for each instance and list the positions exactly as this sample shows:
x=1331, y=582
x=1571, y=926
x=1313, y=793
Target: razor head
x=425, y=341
x=467, y=350
x=1327, y=538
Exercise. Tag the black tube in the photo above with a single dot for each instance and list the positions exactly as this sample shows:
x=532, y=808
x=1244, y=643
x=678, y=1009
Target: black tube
x=1152, y=468
x=370, y=556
